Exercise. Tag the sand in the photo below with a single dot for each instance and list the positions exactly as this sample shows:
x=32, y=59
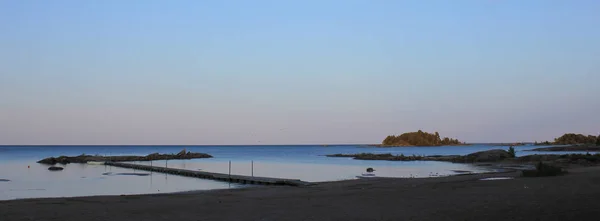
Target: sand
x=571, y=197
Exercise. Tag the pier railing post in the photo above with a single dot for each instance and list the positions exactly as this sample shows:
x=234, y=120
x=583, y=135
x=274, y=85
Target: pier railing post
x=230, y=171
x=252, y=167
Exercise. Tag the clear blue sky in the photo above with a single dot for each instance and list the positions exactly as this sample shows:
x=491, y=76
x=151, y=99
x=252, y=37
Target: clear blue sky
x=273, y=72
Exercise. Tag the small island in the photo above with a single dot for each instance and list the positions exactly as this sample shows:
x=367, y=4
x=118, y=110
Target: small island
x=573, y=139
x=419, y=138
x=182, y=155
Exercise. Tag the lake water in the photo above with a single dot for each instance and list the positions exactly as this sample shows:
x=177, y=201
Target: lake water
x=27, y=179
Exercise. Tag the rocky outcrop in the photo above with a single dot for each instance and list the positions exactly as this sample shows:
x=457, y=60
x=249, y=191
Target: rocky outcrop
x=570, y=148
x=155, y=156
x=483, y=156
x=55, y=168
x=497, y=155
x=565, y=159
x=390, y=157
x=488, y=156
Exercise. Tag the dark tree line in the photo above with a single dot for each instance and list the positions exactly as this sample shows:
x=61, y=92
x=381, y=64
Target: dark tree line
x=571, y=138
x=575, y=139
x=419, y=138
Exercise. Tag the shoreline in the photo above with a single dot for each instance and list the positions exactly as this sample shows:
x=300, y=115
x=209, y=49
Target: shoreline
x=251, y=186
x=440, y=198
x=500, y=170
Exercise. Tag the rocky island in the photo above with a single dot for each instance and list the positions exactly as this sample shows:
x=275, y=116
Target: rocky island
x=573, y=139
x=574, y=148
x=483, y=156
x=183, y=155
x=496, y=155
x=418, y=138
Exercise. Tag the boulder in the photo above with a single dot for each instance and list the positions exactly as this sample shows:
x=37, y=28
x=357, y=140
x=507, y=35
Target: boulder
x=489, y=156
x=182, y=153
x=55, y=168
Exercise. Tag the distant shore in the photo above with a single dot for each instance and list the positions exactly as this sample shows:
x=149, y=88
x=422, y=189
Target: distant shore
x=384, y=146
x=573, y=148
x=498, y=156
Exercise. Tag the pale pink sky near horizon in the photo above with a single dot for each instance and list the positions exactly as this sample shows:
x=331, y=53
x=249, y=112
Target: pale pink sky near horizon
x=296, y=72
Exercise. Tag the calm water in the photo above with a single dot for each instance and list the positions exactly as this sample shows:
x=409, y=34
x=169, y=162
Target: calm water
x=299, y=162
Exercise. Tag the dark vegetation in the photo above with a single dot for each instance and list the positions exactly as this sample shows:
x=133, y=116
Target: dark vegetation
x=543, y=169
x=571, y=139
x=511, y=152
x=419, y=138
x=545, y=143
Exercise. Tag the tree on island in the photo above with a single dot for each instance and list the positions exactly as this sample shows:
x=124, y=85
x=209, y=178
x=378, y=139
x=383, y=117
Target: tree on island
x=571, y=138
x=419, y=138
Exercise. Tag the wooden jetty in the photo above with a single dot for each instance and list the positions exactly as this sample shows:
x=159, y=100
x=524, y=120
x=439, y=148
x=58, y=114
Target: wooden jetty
x=213, y=176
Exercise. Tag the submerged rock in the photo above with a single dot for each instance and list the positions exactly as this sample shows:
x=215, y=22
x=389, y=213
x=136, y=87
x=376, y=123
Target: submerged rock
x=55, y=168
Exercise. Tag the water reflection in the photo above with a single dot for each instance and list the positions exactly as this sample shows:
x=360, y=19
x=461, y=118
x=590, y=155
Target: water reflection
x=324, y=172
x=86, y=180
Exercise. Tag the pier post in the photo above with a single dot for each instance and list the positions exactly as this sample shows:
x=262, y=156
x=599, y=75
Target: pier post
x=252, y=166
x=230, y=171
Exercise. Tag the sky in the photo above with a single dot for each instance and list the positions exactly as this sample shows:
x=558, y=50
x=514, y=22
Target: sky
x=296, y=72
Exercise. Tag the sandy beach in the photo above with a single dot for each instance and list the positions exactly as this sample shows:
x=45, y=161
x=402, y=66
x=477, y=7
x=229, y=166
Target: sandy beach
x=570, y=197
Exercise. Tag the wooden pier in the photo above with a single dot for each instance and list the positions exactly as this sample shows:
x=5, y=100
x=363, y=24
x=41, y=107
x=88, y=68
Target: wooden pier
x=213, y=176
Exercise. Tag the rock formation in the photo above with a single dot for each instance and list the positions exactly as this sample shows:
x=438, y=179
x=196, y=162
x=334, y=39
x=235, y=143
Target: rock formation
x=55, y=168
x=155, y=156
